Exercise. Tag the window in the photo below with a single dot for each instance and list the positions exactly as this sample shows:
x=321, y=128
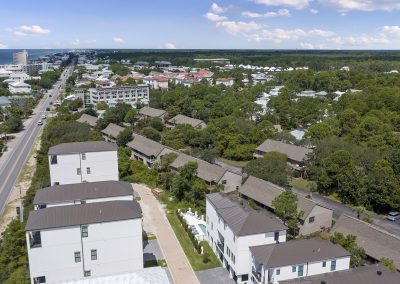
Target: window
x=278, y=272
x=333, y=265
x=93, y=254
x=224, y=181
x=88, y=170
x=53, y=160
x=208, y=220
x=233, y=258
x=294, y=268
x=87, y=273
x=311, y=219
x=84, y=231
x=77, y=256
x=78, y=171
x=245, y=277
x=56, y=183
x=276, y=236
x=83, y=156
x=300, y=270
x=234, y=238
x=324, y=264
x=40, y=279
x=35, y=239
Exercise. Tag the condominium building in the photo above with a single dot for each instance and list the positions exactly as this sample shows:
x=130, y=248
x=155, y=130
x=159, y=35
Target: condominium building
x=127, y=94
x=71, y=243
x=80, y=162
x=20, y=58
x=19, y=88
x=232, y=228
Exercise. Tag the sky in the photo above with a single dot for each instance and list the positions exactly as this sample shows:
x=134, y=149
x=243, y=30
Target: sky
x=201, y=24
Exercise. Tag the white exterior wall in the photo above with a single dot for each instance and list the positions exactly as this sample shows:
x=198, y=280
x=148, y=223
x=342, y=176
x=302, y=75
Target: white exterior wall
x=309, y=269
x=127, y=95
x=103, y=166
x=118, y=245
x=239, y=246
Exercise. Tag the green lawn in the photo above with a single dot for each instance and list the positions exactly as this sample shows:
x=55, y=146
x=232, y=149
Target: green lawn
x=155, y=262
x=196, y=260
x=301, y=183
x=235, y=163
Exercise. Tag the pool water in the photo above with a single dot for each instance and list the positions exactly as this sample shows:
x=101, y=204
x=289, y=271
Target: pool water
x=203, y=228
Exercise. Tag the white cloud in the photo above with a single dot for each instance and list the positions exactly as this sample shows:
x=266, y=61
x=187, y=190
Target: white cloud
x=214, y=17
x=118, y=40
x=360, y=41
x=298, y=4
x=279, y=13
x=2, y=45
x=233, y=27
x=217, y=9
x=391, y=31
x=76, y=42
x=279, y=35
x=362, y=5
x=314, y=11
x=306, y=45
x=169, y=45
x=29, y=30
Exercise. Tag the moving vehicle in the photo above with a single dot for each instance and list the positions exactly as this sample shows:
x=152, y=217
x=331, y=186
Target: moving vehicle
x=43, y=116
x=40, y=122
x=393, y=216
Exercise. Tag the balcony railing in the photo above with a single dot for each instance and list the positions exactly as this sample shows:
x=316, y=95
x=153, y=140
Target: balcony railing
x=220, y=246
x=257, y=276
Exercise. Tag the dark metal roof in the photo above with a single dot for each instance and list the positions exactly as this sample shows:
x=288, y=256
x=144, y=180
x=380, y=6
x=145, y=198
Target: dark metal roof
x=88, y=119
x=295, y=153
x=82, y=191
x=82, y=147
x=112, y=130
x=151, y=112
x=370, y=274
x=145, y=145
x=297, y=252
x=376, y=242
x=82, y=214
x=183, y=119
x=241, y=219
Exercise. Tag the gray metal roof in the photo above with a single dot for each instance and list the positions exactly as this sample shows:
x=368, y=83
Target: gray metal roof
x=183, y=119
x=112, y=130
x=376, y=242
x=206, y=171
x=151, y=112
x=82, y=147
x=370, y=274
x=242, y=219
x=82, y=214
x=295, y=153
x=88, y=119
x=145, y=145
x=297, y=252
x=82, y=191
x=265, y=192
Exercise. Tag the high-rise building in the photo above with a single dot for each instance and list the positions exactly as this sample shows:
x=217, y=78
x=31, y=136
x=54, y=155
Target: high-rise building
x=20, y=58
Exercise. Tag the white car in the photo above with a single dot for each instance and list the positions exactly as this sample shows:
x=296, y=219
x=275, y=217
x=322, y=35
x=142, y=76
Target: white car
x=393, y=216
x=43, y=116
x=40, y=122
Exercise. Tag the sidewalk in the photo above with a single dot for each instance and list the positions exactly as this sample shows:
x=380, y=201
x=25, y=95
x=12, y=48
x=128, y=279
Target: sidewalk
x=155, y=221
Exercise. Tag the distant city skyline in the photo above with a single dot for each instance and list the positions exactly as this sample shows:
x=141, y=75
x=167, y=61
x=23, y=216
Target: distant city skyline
x=192, y=24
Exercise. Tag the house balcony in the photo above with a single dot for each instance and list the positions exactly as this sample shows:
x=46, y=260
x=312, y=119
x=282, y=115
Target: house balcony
x=220, y=246
x=257, y=277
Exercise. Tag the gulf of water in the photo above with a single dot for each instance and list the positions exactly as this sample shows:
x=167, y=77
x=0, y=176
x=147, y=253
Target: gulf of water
x=6, y=54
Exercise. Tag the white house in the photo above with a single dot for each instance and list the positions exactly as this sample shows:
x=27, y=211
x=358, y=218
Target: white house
x=232, y=228
x=19, y=76
x=80, y=193
x=228, y=82
x=83, y=162
x=67, y=243
x=297, y=258
x=157, y=82
x=19, y=87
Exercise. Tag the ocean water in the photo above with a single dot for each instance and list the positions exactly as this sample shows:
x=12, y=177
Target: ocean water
x=6, y=54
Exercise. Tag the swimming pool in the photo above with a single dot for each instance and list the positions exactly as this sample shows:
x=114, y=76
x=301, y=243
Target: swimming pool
x=203, y=228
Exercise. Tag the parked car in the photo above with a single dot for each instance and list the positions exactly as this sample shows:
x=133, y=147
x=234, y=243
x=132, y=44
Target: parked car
x=40, y=122
x=43, y=116
x=393, y=216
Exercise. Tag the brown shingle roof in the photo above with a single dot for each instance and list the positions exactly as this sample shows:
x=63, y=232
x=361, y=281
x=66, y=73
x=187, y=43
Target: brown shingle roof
x=183, y=119
x=243, y=220
x=112, y=130
x=370, y=274
x=297, y=252
x=295, y=153
x=376, y=242
x=206, y=171
x=82, y=214
x=82, y=147
x=145, y=145
x=82, y=191
x=265, y=192
x=151, y=112
x=88, y=119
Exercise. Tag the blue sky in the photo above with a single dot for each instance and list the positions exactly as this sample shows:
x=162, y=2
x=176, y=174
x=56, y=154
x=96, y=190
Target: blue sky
x=259, y=24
